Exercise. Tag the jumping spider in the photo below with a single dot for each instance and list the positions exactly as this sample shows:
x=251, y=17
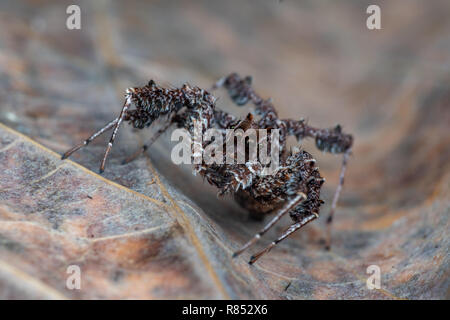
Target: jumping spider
x=293, y=188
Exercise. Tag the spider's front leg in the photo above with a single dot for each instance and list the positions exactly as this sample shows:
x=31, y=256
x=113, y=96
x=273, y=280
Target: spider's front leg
x=115, y=124
x=150, y=102
x=298, y=209
x=332, y=140
x=294, y=227
x=281, y=212
x=299, y=182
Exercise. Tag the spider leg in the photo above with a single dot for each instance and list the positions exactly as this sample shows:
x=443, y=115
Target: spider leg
x=144, y=148
x=336, y=197
x=113, y=136
x=294, y=227
x=241, y=91
x=224, y=120
x=88, y=140
x=331, y=140
x=285, y=209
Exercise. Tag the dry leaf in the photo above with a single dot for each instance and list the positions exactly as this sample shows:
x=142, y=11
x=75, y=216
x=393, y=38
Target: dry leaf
x=150, y=229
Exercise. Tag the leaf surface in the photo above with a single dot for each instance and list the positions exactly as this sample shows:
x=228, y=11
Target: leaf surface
x=149, y=229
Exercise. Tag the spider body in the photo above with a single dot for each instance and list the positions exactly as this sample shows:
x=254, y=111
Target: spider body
x=293, y=188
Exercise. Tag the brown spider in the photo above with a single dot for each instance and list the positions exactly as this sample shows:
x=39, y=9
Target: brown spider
x=293, y=188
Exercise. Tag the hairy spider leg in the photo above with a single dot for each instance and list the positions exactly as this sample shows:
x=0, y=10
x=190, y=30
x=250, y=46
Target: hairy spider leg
x=144, y=148
x=324, y=141
x=336, y=197
x=126, y=105
x=241, y=91
x=88, y=140
x=285, y=209
x=294, y=227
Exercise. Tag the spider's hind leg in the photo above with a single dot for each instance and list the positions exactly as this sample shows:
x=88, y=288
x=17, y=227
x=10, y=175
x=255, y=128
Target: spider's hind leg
x=332, y=140
x=336, y=198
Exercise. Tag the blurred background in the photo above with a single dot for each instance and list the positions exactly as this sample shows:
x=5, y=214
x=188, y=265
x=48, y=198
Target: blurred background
x=315, y=59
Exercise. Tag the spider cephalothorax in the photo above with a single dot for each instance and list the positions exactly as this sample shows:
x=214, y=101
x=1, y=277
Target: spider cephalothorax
x=292, y=188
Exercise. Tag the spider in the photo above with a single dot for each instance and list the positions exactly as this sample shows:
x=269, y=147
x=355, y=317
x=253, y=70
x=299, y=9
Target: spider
x=293, y=188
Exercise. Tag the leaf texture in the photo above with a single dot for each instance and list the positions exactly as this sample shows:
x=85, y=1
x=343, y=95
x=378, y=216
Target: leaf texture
x=149, y=229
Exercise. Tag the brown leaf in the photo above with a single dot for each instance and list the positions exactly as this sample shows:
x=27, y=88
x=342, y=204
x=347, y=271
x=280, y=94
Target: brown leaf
x=149, y=229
